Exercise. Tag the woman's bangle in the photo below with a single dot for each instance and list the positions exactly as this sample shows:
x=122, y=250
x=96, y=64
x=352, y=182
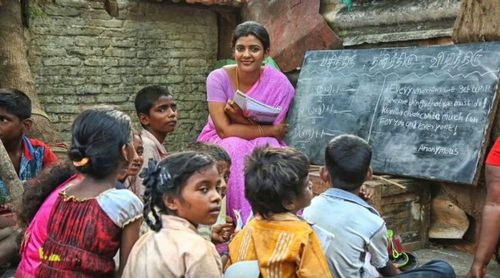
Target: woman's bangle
x=261, y=130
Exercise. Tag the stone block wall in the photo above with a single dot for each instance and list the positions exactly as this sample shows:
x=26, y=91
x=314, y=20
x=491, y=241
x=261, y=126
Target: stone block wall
x=80, y=56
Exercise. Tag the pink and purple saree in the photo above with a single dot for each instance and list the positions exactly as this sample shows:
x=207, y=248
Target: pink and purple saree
x=274, y=89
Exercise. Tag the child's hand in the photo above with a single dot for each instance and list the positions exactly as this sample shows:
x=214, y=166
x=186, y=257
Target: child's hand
x=366, y=192
x=222, y=232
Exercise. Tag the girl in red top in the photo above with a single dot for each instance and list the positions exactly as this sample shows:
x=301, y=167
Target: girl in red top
x=90, y=219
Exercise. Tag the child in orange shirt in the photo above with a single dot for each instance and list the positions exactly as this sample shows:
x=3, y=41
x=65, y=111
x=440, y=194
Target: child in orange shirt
x=277, y=186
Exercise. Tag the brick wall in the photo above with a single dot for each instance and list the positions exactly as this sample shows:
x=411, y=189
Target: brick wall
x=80, y=56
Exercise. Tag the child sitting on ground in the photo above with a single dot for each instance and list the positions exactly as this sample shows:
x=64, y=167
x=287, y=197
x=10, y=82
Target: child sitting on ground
x=90, y=219
x=38, y=200
x=41, y=195
x=28, y=156
x=127, y=179
x=221, y=231
x=157, y=111
x=181, y=193
x=277, y=186
x=357, y=227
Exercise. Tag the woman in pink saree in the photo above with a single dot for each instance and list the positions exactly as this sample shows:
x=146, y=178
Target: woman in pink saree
x=227, y=126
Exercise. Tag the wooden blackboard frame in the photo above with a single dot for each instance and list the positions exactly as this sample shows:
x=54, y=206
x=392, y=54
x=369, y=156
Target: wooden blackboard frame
x=333, y=82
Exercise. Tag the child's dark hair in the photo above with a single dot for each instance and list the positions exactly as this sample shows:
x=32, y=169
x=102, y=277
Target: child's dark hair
x=274, y=176
x=147, y=96
x=98, y=136
x=15, y=102
x=216, y=151
x=136, y=132
x=40, y=187
x=347, y=159
x=169, y=176
x=251, y=28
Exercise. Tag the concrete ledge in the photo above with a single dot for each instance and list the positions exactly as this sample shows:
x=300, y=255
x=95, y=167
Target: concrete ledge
x=381, y=21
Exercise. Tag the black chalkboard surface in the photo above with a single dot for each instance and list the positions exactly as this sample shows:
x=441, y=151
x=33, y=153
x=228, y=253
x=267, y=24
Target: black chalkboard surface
x=425, y=111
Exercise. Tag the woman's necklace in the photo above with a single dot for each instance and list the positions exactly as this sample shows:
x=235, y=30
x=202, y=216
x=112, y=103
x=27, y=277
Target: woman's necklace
x=238, y=79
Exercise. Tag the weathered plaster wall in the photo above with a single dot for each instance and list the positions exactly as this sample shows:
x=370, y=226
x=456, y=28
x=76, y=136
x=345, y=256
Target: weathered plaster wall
x=80, y=57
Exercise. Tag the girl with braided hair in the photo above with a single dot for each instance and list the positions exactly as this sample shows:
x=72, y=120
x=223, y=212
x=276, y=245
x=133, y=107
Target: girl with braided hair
x=181, y=192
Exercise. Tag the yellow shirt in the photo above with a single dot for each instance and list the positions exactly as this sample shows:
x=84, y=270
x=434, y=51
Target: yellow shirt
x=284, y=245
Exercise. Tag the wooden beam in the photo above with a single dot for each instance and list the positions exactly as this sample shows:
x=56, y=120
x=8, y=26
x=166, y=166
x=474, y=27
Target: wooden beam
x=477, y=21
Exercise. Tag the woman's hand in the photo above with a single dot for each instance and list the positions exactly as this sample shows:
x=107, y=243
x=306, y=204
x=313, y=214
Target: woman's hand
x=280, y=130
x=235, y=114
x=229, y=121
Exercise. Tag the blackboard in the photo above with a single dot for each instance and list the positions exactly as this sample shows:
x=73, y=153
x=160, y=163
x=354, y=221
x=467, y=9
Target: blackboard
x=426, y=111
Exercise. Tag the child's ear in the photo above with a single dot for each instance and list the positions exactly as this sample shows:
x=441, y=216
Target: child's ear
x=144, y=119
x=170, y=202
x=125, y=153
x=288, y=205
x=324, y=175
x=369, y=175
x=27, y=124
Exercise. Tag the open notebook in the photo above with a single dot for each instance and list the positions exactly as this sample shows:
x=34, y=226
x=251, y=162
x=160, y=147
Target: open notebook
x=256, y=110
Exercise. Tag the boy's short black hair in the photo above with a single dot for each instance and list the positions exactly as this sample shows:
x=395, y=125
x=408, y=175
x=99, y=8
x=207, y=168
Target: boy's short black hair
x=15, y=102
x=215, y=151
x=347, y=159
x=274, y=176
x=147, y=96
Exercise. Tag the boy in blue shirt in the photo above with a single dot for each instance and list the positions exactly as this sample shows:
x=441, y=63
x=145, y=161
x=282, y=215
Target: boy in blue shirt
x=357, y=227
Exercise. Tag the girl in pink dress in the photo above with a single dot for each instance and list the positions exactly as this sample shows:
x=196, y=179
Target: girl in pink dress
x=89, y=219
x=227, y=125
x=38, y=200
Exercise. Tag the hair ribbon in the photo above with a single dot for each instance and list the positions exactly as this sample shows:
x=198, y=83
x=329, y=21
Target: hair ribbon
x=155, y=174
x=81, y=162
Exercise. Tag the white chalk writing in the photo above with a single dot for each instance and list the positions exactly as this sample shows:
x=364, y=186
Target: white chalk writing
x=456, y=60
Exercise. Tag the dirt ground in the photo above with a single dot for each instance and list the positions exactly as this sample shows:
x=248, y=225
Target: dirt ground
x=460, y=261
